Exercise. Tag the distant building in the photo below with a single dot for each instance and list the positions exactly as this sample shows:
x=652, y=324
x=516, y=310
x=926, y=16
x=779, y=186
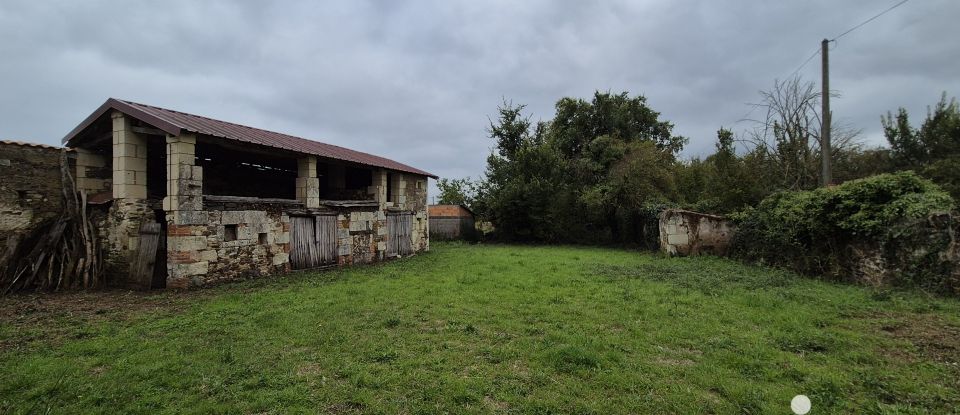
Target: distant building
x=452, y=222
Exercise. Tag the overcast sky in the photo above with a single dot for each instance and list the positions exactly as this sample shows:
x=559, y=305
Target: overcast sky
x=416, y=81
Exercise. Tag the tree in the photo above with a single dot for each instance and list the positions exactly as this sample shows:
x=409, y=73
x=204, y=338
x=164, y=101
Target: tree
x=789, y=133
x=579, y=175
x=933, y=150
x=457, y=191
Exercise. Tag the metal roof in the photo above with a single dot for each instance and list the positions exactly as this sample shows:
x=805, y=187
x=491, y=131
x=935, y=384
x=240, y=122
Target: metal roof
x=176, y=123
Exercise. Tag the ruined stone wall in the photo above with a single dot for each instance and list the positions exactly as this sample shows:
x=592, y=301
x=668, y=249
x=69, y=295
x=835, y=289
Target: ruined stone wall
x=119, y=232
x=219, y=245
x=415, y=200
x=361, y=236
x=686, y=233
x=30, y=186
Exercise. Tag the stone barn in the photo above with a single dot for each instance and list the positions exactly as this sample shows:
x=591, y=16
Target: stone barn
x=452, y=222
x=215, y=201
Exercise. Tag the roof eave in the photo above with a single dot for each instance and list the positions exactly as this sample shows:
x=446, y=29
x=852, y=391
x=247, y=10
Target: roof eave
x=115, y=104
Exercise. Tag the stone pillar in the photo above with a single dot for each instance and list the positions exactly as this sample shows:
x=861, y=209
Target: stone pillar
x=378, y=189
x=188, y=258
x=93, y=175
x=400, y=190
x=308, y=185
x=184, y=179
x=130, y=208
x=129, y=160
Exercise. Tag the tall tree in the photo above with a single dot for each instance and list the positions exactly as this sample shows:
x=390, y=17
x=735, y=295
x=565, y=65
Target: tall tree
x=933, y=150
x=575, y=177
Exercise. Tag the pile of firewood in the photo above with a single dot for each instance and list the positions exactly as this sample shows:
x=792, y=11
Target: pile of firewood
x=61, y=254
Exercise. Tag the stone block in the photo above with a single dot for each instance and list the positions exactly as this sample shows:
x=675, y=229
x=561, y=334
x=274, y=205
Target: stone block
x=185, y=171
x=187, y=243
x=191, y=217
x=86, y=158
x=209, y=255
x=189, y=202
x=678, y=239
x=232, y=217
x=359, y=226
x=123, y=149
x=185, y=270
x=281, y=238
x=129, y=191
x=253, y=216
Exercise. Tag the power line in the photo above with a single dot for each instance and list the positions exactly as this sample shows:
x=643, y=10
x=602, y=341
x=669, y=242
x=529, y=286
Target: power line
x=818, y=50
x=869, y=20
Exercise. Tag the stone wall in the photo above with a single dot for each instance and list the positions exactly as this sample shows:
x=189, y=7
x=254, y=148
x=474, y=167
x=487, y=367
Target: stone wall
x=685, y=233
x=219, y=245
x=119, y=232
x=361, y=236
x=415, y=200
x=30, y=186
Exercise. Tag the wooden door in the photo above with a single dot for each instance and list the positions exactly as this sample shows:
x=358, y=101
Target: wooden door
x=399, y=230
x=313, y=241
x=142, y=267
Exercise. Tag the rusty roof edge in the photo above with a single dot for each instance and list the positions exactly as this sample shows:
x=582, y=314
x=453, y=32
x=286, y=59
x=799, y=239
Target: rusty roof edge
x=119, y=105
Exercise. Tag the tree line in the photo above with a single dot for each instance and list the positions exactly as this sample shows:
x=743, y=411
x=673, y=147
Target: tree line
x=602, y=169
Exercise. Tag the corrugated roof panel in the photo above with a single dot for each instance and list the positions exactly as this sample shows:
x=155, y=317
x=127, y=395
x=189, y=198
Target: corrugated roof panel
x=208, y=126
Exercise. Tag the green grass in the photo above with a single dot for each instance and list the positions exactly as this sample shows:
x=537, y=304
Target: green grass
x=477, y=329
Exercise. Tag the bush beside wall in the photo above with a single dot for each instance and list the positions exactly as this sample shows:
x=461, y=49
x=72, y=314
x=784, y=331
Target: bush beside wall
x=890, y=229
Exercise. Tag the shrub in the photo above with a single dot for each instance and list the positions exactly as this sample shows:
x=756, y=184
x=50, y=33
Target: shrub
x=887, y=220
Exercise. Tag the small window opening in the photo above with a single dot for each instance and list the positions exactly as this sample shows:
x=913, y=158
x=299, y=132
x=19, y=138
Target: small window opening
x=419, y=184
x=263, y=238
x=22, y=194
x=229, y=233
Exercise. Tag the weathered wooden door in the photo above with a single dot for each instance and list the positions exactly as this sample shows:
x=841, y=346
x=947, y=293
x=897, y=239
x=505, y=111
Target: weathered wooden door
x=399, y=230
x=142, y=267
x=313, y=241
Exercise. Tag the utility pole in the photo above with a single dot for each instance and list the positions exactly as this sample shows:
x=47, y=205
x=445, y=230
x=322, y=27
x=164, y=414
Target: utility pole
x=826, y=176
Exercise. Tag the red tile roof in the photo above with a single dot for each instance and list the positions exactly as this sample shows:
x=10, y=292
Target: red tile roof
x=175, y=123
x=24, y=143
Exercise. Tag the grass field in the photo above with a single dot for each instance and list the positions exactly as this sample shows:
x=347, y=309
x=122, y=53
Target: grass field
x=476, y=329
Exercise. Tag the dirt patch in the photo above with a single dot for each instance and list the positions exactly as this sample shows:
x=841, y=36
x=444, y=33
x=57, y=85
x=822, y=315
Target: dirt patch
x=935, y=338
x=309, y=370
x=47, y=318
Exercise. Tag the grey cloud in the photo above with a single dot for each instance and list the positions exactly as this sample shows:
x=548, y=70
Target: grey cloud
x=427, y=74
